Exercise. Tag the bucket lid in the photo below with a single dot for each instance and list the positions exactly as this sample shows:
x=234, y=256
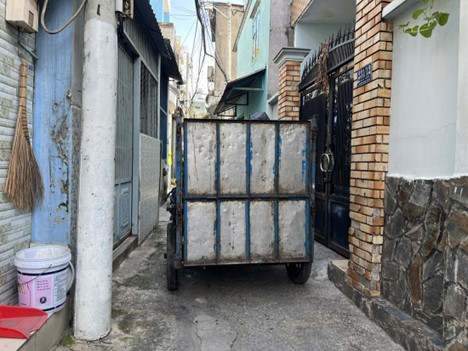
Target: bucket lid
x=42, y=257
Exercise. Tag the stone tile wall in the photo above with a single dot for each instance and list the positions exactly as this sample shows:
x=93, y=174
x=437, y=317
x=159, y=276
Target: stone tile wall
x=425, y=254
x=15, y=225
x=369, y=146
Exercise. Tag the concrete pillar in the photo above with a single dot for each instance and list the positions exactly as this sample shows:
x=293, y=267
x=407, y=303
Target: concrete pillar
x=97, y=172
x=289, y=66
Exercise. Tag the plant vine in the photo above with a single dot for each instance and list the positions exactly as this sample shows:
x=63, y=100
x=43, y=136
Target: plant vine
x=431, y=20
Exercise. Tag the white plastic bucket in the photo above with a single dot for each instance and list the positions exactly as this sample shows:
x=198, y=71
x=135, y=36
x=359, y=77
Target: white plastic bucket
x=45, y=275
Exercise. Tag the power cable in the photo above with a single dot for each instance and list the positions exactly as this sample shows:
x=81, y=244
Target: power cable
x=56, y=31
x=200, y=19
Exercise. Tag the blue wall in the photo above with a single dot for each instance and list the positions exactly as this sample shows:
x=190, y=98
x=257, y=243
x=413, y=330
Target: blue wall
x=56, y=116
x=248, y=63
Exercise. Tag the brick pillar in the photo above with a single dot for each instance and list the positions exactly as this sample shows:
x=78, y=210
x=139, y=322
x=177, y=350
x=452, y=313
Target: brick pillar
x=289, y=64
x=369, y=146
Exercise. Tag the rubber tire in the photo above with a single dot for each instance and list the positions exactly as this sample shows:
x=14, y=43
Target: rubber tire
x=171, y=271
x=299, y=273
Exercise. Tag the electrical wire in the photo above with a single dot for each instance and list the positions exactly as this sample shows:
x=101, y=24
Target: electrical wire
x=56, y=31
x=200, y=19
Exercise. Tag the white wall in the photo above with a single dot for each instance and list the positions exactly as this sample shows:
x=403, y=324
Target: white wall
x=461, y=156
x=424, y=99
x=310, y=36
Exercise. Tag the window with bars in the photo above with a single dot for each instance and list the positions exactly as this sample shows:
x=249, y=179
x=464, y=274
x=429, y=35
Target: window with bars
x=148, y=103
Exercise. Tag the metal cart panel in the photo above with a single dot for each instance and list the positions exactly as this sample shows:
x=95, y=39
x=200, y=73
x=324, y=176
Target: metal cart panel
x=233, y=235
x=246, y=193
x=293, y=230
x=201, y=159
x=233, y=143
x=200, y=225
x=293, y=157
x=262, y=231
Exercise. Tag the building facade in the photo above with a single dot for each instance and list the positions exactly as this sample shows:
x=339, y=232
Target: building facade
x=406, y=239
x=264, y=30
x=145, y=63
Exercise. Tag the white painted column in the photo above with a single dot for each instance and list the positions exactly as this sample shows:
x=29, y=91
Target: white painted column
x=461, y=157
x=97, y=173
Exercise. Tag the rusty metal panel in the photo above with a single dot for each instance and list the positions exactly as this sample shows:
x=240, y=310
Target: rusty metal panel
x=200, y=232
x=201, y=158
x=232, y=236
x=232, y=158
x=262, y=230
x=293, y=156
x=262, y=179
x=292, y=229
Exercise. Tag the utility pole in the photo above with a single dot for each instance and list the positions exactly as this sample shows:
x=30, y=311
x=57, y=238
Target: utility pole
x=97, y=173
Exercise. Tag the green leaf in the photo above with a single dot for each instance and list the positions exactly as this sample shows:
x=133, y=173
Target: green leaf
x=426, y=30
x=423, y=0
x=412, y=31
x=417, y=13
x=404, y=25
x=443, y=18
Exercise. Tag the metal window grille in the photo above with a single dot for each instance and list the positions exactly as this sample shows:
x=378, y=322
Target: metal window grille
x=148, y=103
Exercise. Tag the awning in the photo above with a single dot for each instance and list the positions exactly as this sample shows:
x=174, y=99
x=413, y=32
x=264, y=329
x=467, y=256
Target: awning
x=237, y=91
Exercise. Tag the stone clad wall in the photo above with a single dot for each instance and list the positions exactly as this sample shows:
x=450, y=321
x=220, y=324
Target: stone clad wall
x=425, y=253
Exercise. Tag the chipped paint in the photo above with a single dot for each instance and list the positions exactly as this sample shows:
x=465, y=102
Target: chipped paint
x=292, y=236
x=201, y=236
x=232, y=158
x=262, y=230
x=292, y=174
x=232, y=236
x=262, y=180
x=201, y=158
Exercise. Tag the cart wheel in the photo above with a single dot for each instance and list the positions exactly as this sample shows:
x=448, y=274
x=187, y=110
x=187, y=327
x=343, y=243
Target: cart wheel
x=171, y=273
x=299, y=273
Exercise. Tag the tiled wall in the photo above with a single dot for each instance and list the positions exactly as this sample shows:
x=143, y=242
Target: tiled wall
x=15, y=225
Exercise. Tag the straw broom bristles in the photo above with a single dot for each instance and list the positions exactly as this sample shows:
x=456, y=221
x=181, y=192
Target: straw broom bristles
x=23, y=185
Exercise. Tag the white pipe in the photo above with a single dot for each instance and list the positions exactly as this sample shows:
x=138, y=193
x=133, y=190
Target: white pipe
x=97, y=173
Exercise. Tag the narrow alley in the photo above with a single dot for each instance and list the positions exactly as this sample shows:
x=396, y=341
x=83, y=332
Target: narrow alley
x=230, y=308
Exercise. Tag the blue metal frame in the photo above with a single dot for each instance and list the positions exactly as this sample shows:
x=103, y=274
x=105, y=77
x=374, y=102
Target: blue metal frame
x=185, y=197
x=218, y=201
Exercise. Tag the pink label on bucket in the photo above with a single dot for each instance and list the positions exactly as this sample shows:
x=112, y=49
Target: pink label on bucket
x=43, y=292
x=24, y=290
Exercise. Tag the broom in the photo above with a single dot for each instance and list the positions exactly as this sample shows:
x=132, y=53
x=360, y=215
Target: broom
x=23, y=185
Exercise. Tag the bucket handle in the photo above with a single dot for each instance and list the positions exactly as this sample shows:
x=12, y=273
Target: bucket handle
x=71, y=278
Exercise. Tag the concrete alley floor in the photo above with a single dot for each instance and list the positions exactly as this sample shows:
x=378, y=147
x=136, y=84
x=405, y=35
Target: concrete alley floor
x=230, y=308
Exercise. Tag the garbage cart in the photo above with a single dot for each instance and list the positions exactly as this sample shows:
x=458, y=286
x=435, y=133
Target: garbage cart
x=244, y=195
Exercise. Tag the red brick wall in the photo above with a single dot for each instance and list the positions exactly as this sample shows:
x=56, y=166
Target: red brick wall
x=288, y=95
x=369, y=146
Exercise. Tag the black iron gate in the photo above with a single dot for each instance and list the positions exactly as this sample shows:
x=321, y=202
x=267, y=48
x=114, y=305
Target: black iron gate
x=326, y=99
